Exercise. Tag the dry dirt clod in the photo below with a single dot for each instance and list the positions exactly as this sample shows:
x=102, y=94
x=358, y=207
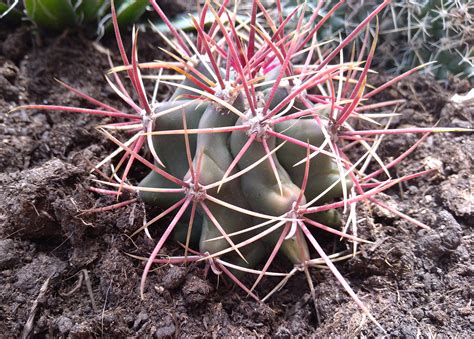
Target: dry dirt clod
x=196, y=290
x=28, y=195
x=8, y=254
x=457, y=194
x=174, y=277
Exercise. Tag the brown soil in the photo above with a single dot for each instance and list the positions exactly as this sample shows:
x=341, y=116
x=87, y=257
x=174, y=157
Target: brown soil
x=416, y=282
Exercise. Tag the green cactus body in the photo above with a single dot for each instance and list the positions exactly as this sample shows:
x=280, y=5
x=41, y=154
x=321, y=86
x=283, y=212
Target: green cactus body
x=180, y=233
x=262, y=191
x=171, y=149
x=331, y=218
x=281, y=92
x=323, y=169
x=201, y=68
x=214, y=157
x=257, y=190
x=260, y=185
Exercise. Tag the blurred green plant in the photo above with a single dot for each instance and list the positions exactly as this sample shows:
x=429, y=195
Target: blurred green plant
x=51, y=14
x=418, y=32
x=57, y=15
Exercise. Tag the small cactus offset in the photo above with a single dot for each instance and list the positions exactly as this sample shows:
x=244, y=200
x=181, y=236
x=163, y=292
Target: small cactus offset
x=252, y=152
x=416, y=32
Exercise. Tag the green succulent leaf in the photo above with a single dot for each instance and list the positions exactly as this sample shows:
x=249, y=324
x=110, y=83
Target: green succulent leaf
x=56, y=15
x=53, y=15
x=128, y=12
x=90, y=10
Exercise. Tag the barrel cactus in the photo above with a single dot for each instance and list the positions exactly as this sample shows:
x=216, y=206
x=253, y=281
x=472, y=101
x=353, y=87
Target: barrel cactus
x=252, y=151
